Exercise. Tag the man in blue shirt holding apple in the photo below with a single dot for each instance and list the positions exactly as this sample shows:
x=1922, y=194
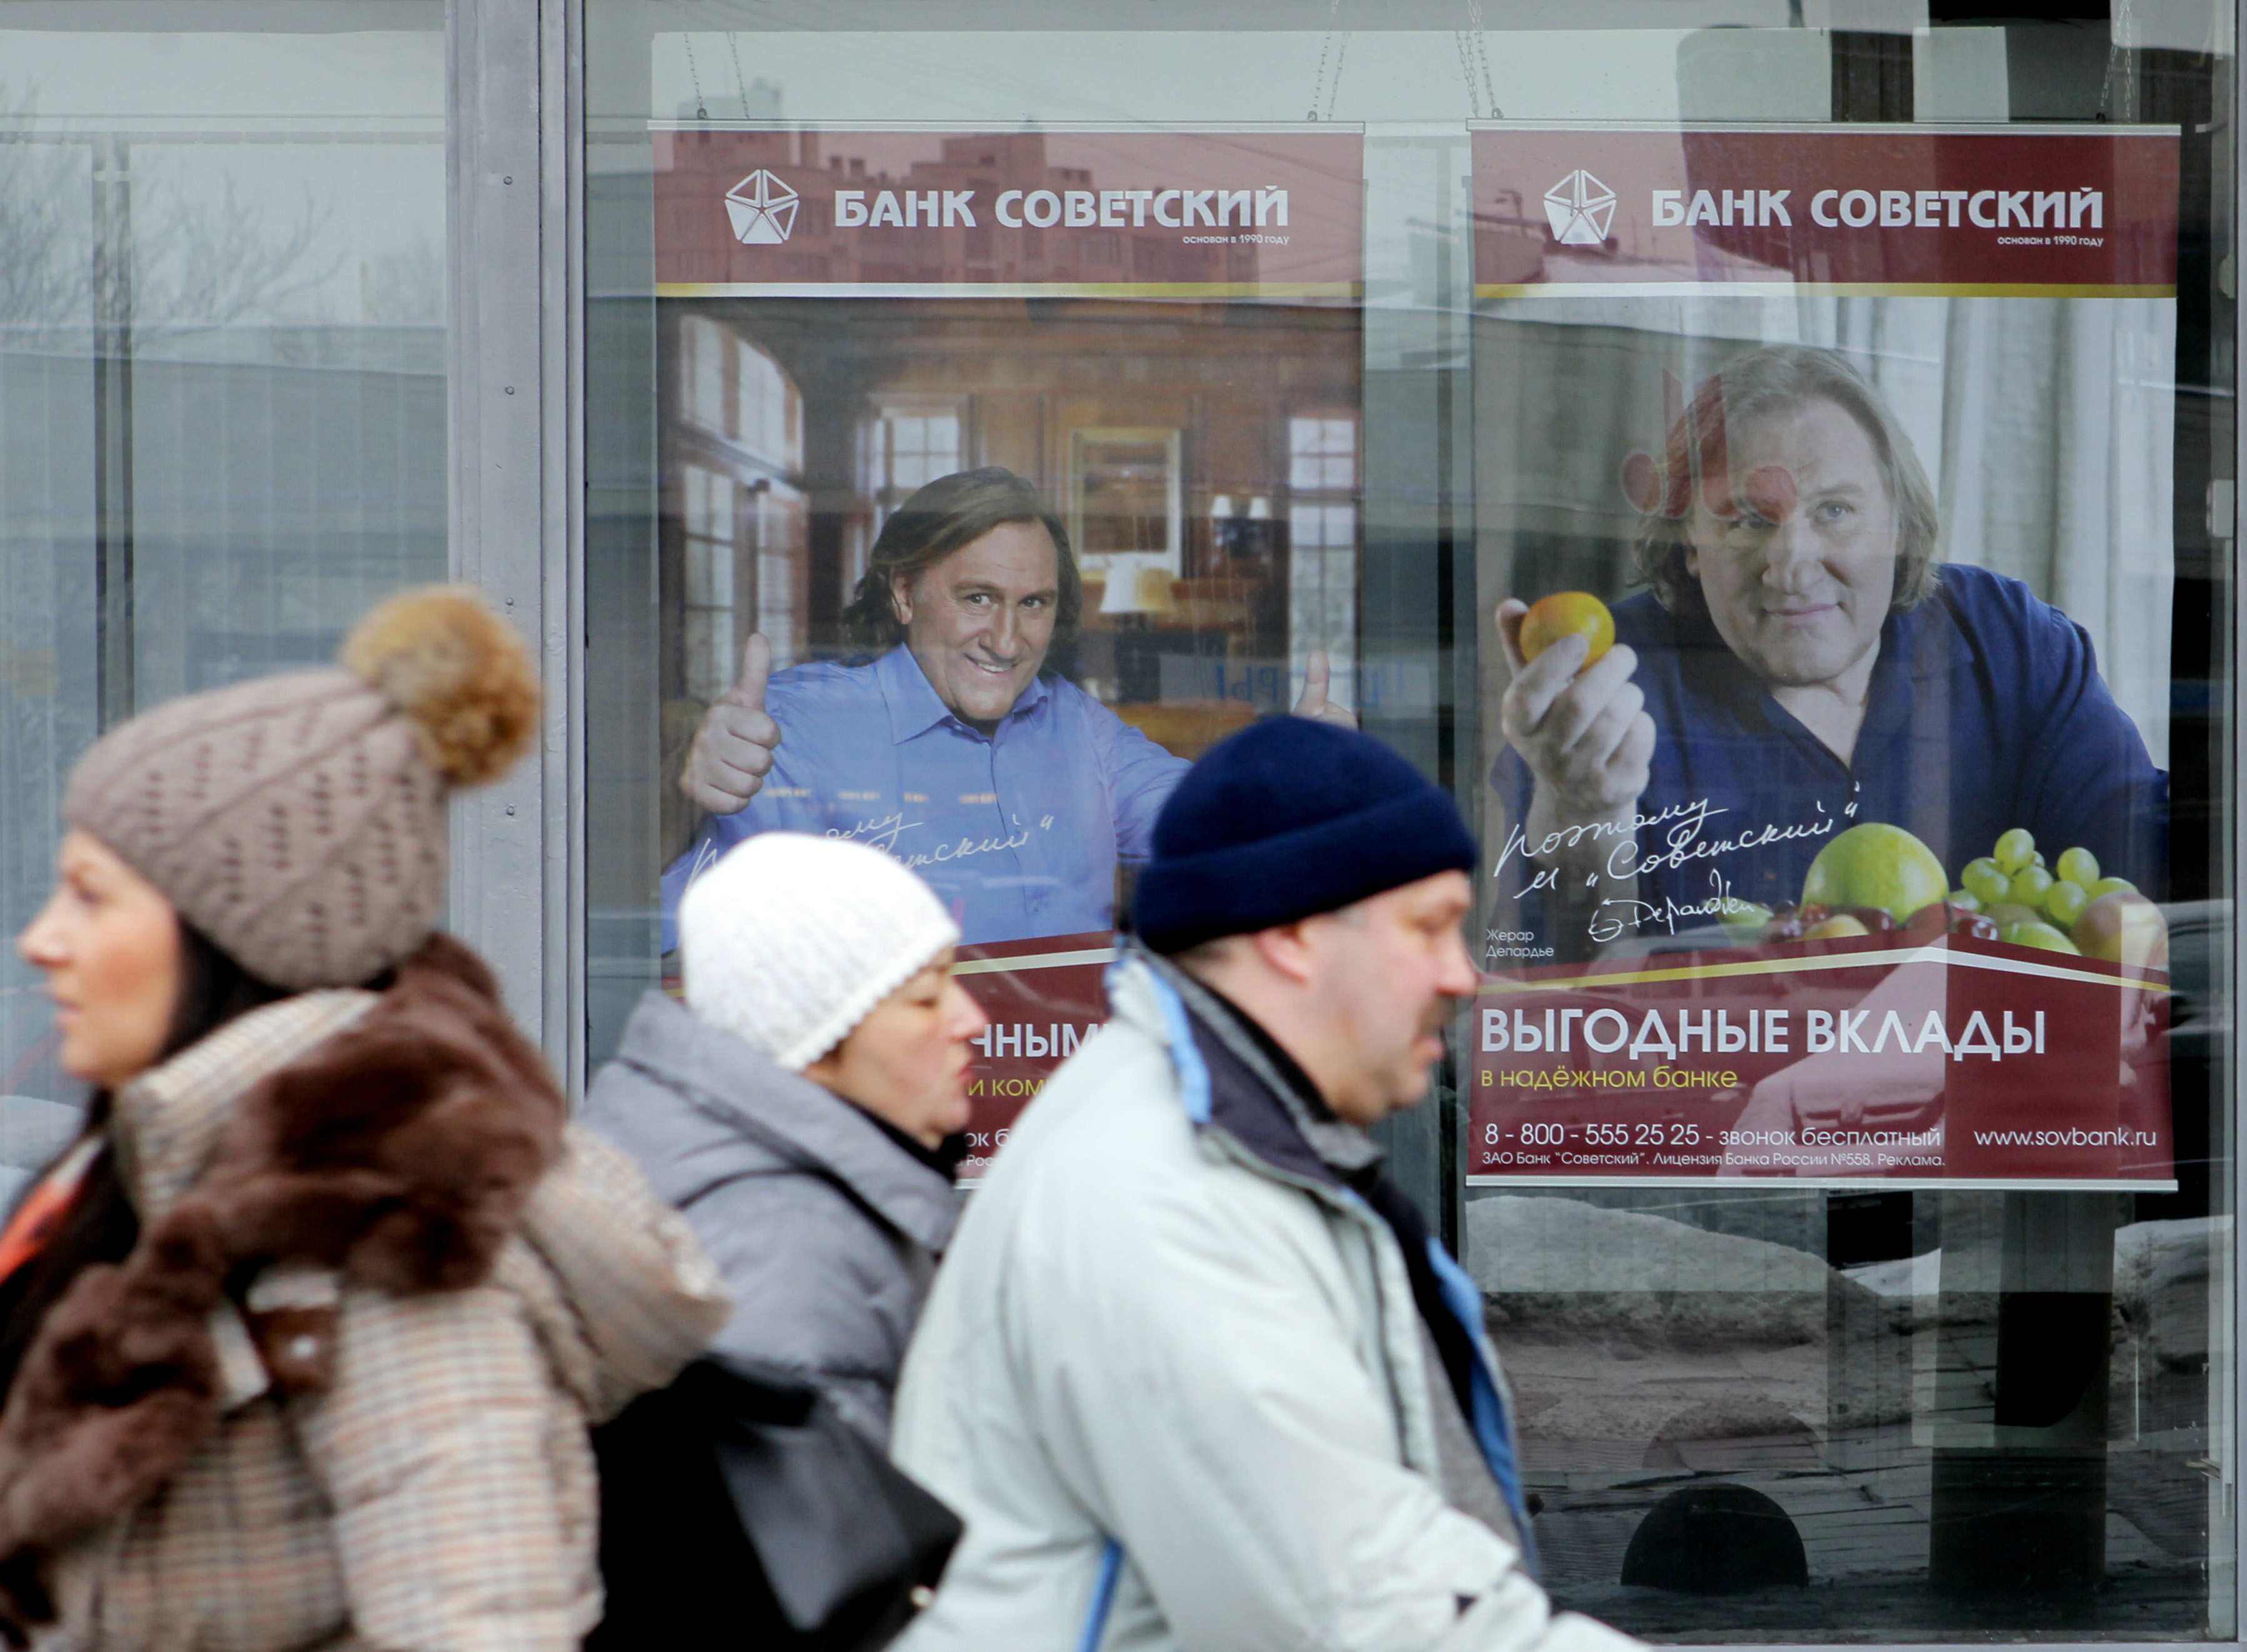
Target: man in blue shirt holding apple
x=1801, y=665
x=1011, y=790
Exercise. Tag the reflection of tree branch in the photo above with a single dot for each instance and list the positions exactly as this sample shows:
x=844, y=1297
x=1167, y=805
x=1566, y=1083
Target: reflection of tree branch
x=247, y=255
x=46, y=274
x=405, y=286
x=244, y=258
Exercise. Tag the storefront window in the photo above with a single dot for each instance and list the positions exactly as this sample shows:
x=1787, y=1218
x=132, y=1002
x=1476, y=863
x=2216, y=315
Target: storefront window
x=222, y=381
x=1844, y=1152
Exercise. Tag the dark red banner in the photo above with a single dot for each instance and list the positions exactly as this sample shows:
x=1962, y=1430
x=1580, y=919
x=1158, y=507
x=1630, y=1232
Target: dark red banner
x=1247, y=213
x=1877, y=210
x=1044, y=998
x=1960, y=1062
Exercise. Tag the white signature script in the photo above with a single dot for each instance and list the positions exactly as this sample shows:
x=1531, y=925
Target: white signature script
x=884, y=832
x=1608, y=925
x=1679, y=843
x=1683, y=844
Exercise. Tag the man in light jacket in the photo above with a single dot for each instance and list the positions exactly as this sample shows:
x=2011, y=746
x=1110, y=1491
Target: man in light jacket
x=1194, y=1374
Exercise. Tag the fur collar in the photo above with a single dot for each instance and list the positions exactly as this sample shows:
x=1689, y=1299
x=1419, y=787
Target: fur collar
x=399, y=1152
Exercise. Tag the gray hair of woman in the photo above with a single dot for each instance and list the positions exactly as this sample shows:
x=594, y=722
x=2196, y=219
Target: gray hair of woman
x=1771, y=380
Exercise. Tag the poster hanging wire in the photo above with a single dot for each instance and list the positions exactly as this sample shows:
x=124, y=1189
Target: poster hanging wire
x=702, y=109
x=1318, y=81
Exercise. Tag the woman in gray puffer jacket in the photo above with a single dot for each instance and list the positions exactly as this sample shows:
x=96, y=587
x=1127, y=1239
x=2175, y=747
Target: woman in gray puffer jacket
x=798, y=1107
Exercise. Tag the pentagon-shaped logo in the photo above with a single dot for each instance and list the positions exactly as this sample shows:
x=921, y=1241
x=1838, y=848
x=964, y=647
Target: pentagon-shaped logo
x=762, y=209
x=1580, y=207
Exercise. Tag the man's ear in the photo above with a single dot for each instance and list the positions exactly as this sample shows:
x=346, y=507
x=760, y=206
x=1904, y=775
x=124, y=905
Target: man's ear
x=901, y=599
x=1287, y=949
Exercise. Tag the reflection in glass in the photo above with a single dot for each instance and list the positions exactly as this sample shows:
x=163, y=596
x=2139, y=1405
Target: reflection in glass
x=1370, y=484
x=222, y=404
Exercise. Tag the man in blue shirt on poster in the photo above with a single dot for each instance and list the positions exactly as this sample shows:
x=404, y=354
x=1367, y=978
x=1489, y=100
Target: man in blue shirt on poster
x=1801, y=665
x=1011, y=790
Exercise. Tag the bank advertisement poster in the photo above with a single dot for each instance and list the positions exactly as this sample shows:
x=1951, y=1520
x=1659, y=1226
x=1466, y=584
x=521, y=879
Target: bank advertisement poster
x=1158, y=331
x=1823, y=496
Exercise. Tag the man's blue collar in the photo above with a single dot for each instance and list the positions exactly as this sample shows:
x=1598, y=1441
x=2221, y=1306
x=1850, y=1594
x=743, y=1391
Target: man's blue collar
x=913, y=705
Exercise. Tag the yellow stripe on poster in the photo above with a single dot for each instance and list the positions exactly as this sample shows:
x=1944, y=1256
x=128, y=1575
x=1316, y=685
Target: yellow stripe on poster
x=1822, y=289
x=1340, y=289
x=1036, y=960
x=1827, y=962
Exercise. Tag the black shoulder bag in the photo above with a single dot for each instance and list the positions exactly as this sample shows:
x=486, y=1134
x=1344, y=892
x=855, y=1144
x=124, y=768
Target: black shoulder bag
x=737, y=1502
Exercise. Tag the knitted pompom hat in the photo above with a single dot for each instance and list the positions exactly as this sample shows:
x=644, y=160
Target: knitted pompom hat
x=299, y=820
x=789, y=940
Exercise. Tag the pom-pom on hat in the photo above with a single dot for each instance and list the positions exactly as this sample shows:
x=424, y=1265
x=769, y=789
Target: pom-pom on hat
x=1287, y=818
x=299, y=820
x=790, y=940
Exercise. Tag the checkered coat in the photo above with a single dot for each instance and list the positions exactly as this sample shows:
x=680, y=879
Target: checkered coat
x=380, y=1442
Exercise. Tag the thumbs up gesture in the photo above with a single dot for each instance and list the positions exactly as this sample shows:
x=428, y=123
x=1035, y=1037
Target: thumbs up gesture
x=1317, y=674
x=733, y=750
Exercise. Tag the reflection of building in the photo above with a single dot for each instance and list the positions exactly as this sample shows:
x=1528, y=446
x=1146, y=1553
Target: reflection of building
x=1206, y=458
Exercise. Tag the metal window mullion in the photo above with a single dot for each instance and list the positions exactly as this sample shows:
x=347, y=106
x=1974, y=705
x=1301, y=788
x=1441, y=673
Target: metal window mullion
x=2225, y=1143
x=500, y=524
x=562, y=403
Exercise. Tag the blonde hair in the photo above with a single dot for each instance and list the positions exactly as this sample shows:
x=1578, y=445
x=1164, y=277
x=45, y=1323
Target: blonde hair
x=1765, y=381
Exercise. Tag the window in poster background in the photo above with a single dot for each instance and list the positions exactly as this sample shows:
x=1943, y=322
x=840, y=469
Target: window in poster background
x=1210, y=493
x=908, y=443
x=1322, y=565
x=1727, y=953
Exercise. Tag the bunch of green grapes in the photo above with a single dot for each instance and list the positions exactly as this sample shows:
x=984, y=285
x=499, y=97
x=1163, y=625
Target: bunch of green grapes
x=2033, y=905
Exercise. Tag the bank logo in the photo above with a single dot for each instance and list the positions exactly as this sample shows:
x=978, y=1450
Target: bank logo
x=1580, y=207
x=762, y=209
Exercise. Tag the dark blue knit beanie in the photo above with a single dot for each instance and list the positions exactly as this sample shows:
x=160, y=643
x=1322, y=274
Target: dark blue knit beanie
x=1285, y=819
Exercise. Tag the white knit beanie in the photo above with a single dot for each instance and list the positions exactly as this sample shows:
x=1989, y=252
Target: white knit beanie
x=790, y=940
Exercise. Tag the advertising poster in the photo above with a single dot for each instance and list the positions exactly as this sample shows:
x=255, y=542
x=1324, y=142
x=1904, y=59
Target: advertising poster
x=1834, y=852
x=1158, y=332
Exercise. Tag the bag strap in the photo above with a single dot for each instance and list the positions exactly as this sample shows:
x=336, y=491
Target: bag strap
x=1104, y=1596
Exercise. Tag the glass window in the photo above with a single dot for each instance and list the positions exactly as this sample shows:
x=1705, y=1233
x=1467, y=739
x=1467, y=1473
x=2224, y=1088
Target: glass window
x=222, y=406
x=1849, y=1187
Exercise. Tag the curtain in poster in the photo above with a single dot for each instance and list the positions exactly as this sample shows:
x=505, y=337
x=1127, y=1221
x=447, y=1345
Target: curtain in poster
x=1158, y=331
x=1834, y=852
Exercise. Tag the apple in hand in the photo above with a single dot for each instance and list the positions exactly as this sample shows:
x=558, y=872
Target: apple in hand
x=1568, y=614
